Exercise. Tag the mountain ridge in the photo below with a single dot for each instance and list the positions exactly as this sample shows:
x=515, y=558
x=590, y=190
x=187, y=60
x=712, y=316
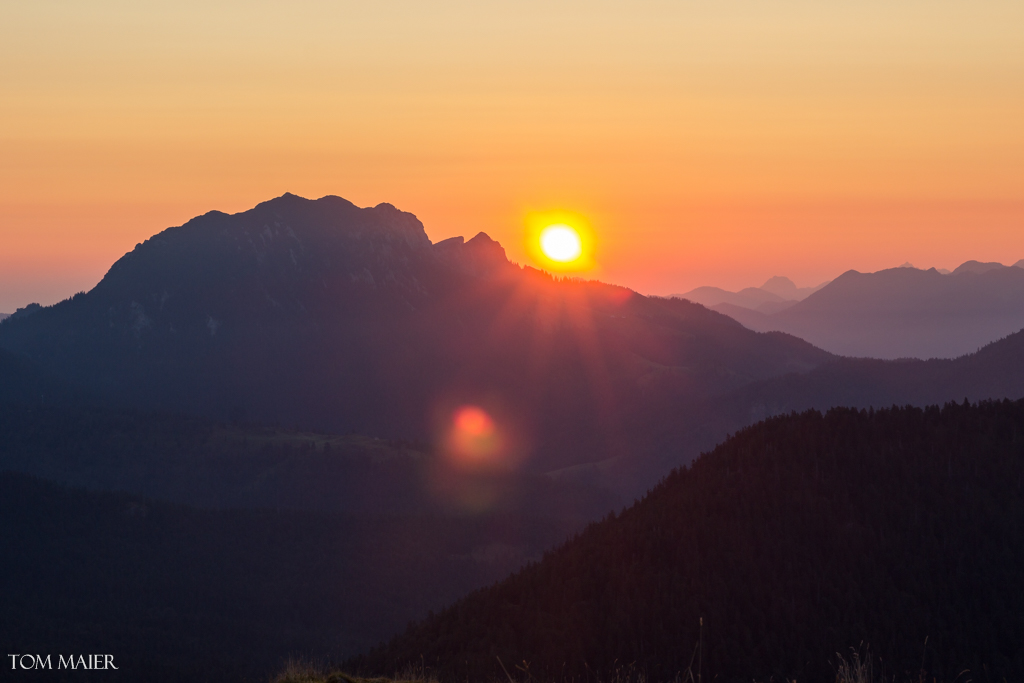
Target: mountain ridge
x=902, y=312
x=778, y=292
x=324, y=316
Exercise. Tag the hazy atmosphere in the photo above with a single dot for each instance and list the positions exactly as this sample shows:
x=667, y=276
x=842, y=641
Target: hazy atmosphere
x=708, y=143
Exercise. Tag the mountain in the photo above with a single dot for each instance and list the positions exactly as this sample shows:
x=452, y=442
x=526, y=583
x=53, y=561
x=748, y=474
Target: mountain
x=794, y=540
x=24, y=381
x=751, y=297
x=4, y=315
x=977, y=267
x=176, y=593
x=776, y=294
x=784, y=288
x=326, y=317
x=903, y=312
x=681, y=430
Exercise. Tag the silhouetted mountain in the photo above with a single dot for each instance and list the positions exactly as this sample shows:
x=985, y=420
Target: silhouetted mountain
x=751, y=297
x=977, y=267
x=181, y=594
x=994, y=372
x=903, y=312
x=24, y=381
x=4, y=315
x=784, y=288
x=776, y=294
x=748, y=317
x=328, y=317
x=795, y=539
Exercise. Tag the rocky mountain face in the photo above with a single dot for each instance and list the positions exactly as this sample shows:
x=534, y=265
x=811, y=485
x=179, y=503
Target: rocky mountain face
x=326, y=316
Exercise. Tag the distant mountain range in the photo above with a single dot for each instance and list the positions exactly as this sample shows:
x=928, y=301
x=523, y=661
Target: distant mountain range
x=4, y=315
x=776, y=294
x=798, y=538
x=897, y=313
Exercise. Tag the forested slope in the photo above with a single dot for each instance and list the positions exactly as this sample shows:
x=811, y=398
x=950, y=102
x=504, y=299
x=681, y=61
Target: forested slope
x=795, y=539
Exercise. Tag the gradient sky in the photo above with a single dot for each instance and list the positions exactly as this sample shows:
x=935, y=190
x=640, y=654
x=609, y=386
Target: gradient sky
x=706, y=142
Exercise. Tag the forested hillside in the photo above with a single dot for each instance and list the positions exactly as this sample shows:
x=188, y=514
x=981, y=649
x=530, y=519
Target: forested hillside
x=795, y=539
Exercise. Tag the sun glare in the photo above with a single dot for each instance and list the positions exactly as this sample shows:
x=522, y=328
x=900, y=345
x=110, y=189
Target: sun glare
x=561, y=243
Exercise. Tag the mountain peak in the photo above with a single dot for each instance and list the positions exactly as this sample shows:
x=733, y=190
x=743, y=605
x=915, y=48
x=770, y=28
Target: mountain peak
x=478, y=256
x=287, y=199
x=977, y=267
x=780, y=286
x=287, y=256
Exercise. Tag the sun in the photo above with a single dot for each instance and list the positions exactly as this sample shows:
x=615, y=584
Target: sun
x=561, y=243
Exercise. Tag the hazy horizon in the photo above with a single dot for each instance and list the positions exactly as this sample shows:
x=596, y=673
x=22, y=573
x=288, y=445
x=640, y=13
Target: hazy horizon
x=705, y=143
x=63, y=284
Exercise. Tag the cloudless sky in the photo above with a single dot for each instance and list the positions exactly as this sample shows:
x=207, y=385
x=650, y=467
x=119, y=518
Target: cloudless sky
x=706, y=142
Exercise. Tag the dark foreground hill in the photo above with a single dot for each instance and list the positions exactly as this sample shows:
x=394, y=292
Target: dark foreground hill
x=795, y=539
x=329, y=317
x=180, y=594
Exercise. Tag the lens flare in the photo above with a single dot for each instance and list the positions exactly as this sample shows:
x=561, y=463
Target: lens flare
x=561, y=243
x=474, y=437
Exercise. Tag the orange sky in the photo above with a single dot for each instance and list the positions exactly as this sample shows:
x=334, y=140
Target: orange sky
x=706, y=142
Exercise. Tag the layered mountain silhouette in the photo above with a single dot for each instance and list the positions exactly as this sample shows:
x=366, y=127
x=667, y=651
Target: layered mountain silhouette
x=325, y=316
x=901, y=312
x=776, y=294
x=796, y=539
x=994, y=372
